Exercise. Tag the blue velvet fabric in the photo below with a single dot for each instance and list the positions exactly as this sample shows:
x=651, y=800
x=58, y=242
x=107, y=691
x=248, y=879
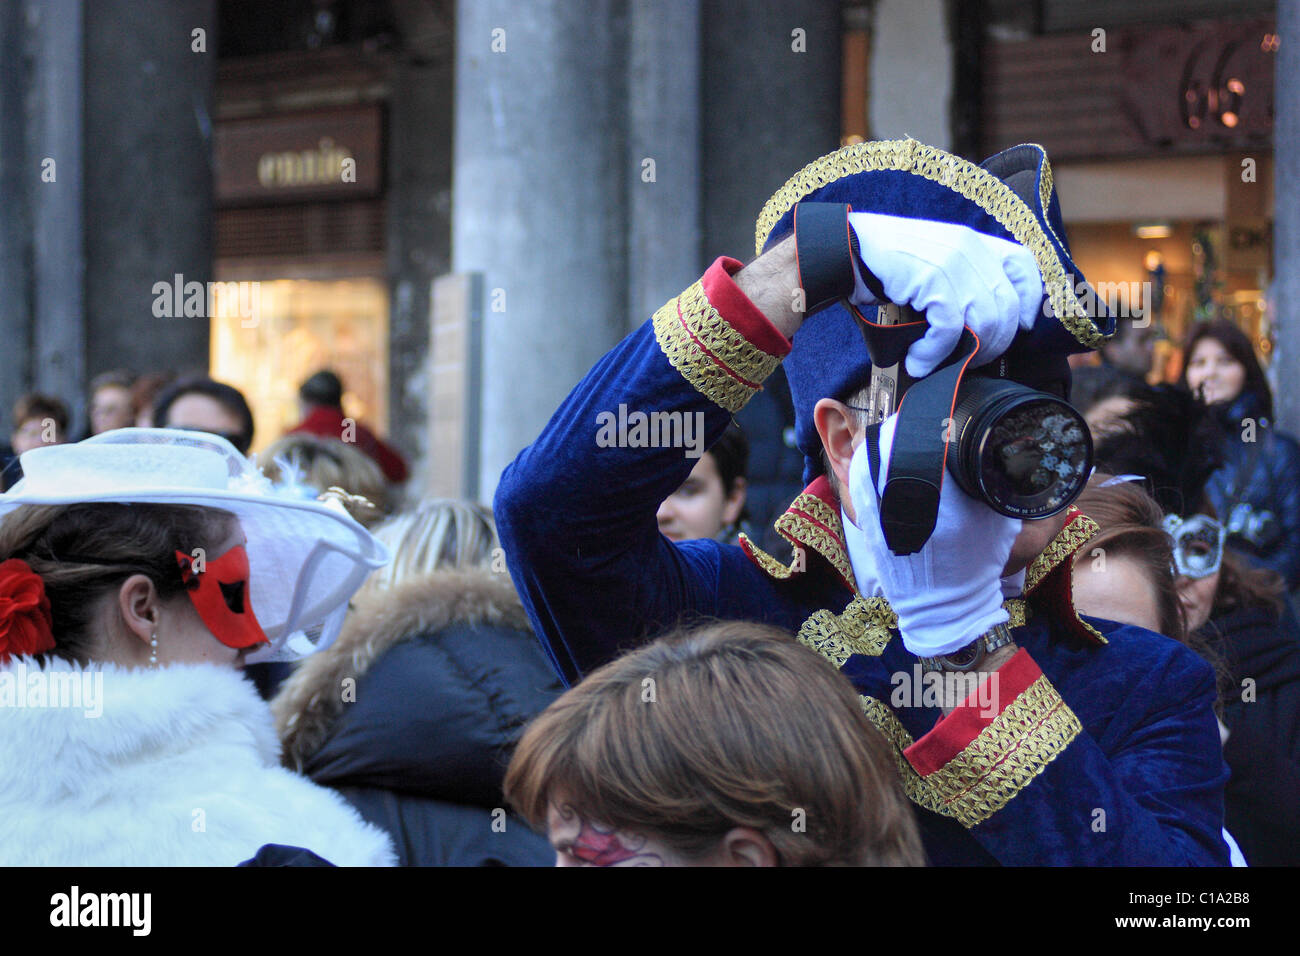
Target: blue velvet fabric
x=578, y=525
x=830, y=360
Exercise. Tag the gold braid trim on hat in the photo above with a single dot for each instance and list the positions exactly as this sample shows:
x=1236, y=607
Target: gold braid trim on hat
x=966, y=179
x=714, y=357
x=1017, y=746
x=1045, y=186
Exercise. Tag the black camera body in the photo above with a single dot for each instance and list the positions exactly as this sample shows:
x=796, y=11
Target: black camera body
x=1026, y=453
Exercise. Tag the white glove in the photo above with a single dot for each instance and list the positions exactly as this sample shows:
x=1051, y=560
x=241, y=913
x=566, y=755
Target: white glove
x=948, y=593
x=957, y=276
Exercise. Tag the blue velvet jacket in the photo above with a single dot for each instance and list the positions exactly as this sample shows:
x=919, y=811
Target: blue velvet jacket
x=1102, y=748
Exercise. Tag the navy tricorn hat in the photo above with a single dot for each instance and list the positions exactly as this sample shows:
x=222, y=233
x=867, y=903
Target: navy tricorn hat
x=1010, y=196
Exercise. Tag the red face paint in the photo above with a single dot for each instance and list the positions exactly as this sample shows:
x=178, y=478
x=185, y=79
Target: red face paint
x=599, y=846
x=220, y=595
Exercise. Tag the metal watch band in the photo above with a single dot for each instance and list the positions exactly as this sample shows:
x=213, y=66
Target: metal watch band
x=971, y=656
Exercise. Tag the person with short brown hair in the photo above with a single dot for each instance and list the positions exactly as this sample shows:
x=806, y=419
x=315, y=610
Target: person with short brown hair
x=112, y=403
x=728, y=745
x=39, y=419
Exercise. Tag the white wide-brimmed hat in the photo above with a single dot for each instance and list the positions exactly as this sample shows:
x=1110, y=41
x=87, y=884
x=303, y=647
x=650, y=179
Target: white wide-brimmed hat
x=306, y=558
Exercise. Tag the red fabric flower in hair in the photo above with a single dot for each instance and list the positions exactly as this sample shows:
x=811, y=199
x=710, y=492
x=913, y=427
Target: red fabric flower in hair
x=26, y=626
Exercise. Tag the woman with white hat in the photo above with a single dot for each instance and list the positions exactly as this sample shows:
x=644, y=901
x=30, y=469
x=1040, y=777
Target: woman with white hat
x=139, y=571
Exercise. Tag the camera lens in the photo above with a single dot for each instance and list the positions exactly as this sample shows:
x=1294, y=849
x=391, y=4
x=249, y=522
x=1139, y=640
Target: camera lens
x=1027, y=453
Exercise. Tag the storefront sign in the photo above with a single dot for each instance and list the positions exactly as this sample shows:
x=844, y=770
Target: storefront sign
x=330, y=154
x=1135, y=91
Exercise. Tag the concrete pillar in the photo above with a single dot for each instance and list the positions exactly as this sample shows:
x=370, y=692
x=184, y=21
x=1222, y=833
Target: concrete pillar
x=912, y=72
x=663, y=136
x=17, y=176
x=57, y=185
x=771, y=104
x=539, y=202
x=1286, y=221
x=148, y=177
x=419, y=239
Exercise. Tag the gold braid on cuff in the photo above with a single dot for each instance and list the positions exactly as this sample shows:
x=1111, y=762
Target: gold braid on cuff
x=711, y=354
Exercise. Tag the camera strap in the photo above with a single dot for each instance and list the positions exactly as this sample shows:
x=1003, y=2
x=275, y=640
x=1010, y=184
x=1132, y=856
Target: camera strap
x=909, y=504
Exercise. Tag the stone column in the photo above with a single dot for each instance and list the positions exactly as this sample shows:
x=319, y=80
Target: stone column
x=912, y=68
x=663, y=153
x=148, y=177
x=419, y=240
x=54, y=174
x=1286, y=221
x=539, y=202
x=17, y=176
x=771, y=104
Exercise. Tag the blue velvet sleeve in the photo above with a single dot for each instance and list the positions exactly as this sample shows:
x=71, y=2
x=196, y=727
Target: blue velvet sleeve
x=576, y=516
x=1141, y=785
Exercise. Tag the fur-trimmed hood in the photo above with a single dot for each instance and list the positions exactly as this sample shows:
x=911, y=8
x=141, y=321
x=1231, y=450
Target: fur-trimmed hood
x=425, y=686
x=168, y=766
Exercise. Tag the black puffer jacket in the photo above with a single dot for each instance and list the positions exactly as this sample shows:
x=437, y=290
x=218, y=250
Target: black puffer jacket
x=1263, y=720
x=412, y=712
x=1264, y=474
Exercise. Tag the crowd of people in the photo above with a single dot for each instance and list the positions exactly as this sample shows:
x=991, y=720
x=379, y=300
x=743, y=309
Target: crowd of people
x=606, y=669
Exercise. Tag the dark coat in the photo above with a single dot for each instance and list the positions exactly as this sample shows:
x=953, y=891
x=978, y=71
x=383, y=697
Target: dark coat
x=1264, y=474
x=445, y=674
x=1263, y=720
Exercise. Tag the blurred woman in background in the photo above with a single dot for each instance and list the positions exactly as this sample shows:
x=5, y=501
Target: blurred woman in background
x=1256, y=492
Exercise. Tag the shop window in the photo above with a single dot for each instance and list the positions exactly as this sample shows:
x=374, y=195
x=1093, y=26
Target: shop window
x=276, y=333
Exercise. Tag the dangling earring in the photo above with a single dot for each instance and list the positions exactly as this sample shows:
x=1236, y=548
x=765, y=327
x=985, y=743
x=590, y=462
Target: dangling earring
x=153, y=650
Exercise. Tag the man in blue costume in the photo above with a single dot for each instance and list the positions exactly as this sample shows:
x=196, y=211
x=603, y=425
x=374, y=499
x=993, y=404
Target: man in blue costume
x=1088, y=742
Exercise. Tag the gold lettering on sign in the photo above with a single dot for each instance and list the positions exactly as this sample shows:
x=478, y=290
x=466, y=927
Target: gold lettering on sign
x=308, y=167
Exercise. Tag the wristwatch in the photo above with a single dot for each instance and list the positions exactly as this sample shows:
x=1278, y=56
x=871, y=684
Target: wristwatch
x=971, y=656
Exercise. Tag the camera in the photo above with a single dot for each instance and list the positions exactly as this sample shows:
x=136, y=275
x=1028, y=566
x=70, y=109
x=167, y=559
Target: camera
x=1024, y=452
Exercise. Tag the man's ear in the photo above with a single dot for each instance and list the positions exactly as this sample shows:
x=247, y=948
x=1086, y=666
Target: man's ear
x=836, y=426
x=744, y=846
x=139, y=605
x=735, y=503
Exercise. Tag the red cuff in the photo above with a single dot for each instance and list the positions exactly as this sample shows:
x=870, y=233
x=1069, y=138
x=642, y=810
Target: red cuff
x=955, y=732
x=738, y=311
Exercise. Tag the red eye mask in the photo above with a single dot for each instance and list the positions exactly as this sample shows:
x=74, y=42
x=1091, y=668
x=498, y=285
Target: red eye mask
x=220, y=595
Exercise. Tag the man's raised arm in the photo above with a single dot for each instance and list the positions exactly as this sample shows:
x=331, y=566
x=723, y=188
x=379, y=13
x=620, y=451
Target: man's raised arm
x=576, y=509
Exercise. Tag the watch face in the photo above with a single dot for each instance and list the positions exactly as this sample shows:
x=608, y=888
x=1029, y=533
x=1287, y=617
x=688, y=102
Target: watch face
x=964, y=657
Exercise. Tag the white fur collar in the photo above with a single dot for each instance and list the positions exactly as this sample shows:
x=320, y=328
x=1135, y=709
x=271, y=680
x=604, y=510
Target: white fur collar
x=179, y=767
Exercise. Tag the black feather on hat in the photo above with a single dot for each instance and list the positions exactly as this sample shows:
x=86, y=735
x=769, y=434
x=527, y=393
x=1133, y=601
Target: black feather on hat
x=1170, y=439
